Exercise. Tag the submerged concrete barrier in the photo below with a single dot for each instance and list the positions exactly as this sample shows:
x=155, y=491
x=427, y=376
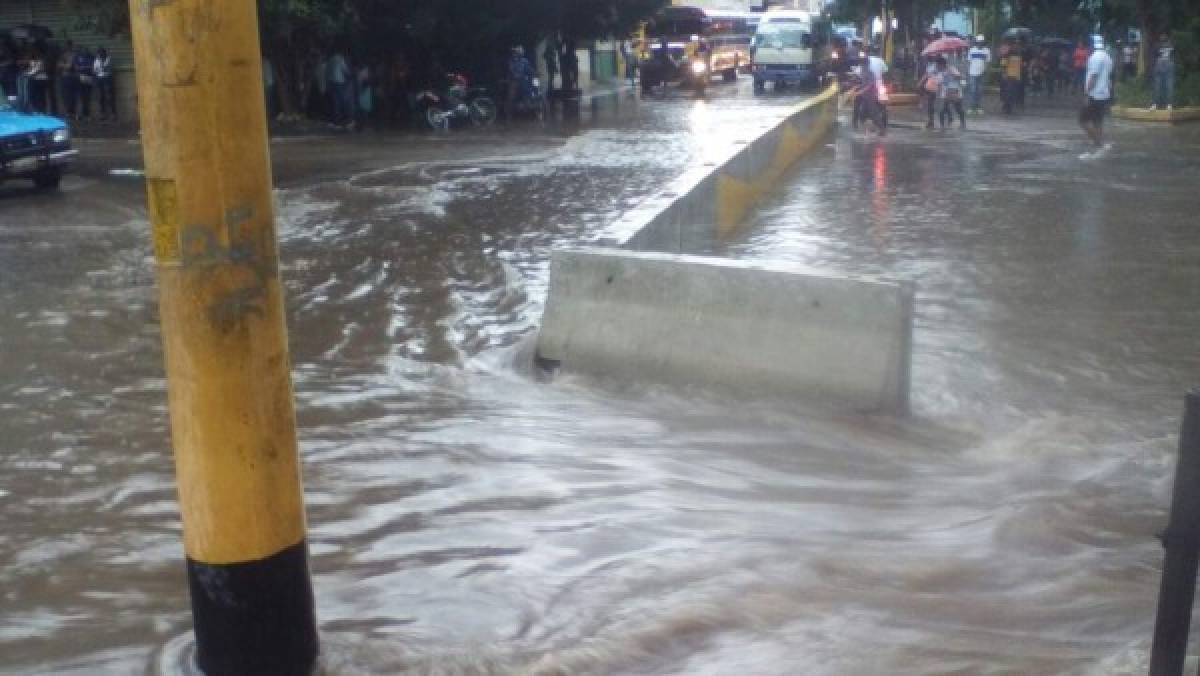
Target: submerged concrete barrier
x=645, y=310
x=754, y=330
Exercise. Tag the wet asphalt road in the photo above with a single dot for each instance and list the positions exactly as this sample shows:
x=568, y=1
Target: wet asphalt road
x=465, y=519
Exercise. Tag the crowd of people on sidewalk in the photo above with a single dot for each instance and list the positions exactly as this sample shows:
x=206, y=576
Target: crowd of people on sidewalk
x=1053, y=69
x=335, y=89
x=952, y=80
x=1089, y=70
x=353, y=93
x=1046, y=70
x=43, y=76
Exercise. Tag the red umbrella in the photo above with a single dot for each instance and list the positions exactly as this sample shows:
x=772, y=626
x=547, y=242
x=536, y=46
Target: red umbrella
x=943, y=45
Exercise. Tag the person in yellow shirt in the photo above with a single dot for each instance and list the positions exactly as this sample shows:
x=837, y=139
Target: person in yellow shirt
x=1011, y=66
x=689, y=50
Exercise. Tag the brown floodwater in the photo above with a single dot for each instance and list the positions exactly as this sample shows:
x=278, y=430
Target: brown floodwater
x=466, y=519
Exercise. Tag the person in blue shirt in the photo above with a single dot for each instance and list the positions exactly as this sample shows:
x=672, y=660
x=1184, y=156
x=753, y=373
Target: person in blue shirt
x=84, y=67
x=1164, y=75
x=520, y=79
x=520, y=71
x=341, y=88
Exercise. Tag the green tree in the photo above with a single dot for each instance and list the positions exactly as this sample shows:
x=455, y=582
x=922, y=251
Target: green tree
x=469, y=35
x=110, y=16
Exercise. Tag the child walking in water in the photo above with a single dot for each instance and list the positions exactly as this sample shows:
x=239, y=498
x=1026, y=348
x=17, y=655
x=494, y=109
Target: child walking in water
x=951, y=94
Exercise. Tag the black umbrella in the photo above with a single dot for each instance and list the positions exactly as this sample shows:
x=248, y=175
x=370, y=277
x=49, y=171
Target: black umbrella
x=1057, y=42
x=31, y=32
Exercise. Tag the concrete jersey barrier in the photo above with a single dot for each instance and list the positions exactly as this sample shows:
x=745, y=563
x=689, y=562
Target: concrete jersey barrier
x=756, y=331
x=647, y=311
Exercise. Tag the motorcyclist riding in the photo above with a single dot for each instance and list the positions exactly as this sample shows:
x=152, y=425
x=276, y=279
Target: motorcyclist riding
x=871, y=72
x=696, y=63
x=657, y=69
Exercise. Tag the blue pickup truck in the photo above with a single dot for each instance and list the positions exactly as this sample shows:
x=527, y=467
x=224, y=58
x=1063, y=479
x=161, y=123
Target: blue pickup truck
x=34, y=147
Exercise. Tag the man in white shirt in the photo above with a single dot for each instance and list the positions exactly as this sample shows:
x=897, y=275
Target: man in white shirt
x=1098, y=87
x=978, y=59
x=877, y=67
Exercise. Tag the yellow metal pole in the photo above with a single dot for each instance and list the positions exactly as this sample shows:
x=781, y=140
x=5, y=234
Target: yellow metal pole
x=889, y=38
x=204, y=135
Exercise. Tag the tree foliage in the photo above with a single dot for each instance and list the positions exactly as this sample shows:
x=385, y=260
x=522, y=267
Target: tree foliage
x=1066, y=18
x=106, y=16
x=467, y=35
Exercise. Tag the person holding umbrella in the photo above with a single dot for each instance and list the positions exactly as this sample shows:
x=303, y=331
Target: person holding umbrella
x=930, y=84
x=950, y=92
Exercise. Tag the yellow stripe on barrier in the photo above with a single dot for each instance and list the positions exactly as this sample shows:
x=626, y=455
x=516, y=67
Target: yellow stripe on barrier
x=737, y=196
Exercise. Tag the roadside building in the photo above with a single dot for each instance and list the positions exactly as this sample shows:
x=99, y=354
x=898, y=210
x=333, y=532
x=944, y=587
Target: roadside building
x=813, y=6
x=92, y=29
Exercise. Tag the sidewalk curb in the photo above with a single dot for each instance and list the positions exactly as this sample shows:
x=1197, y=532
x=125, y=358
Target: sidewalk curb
x=1189, y=114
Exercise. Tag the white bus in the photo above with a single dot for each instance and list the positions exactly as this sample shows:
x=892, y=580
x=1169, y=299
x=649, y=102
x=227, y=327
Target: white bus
x=728, y=35
x=790, y=48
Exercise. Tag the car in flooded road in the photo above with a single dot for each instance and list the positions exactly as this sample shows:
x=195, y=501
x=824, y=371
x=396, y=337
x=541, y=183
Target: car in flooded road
x=34, y=147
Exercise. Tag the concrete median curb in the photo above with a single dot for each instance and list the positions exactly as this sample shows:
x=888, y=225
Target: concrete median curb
x=645, y=310
x=708, y=203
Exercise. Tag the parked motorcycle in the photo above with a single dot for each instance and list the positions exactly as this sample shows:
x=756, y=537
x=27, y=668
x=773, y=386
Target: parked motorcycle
x=459, y=104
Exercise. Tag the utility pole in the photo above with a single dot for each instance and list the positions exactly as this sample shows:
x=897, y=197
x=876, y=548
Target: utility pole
x=208, y=176
x=1177, y=588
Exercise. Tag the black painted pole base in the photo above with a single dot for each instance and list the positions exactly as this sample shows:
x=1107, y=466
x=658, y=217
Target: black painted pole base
x=1177, y=589
x=255, y=617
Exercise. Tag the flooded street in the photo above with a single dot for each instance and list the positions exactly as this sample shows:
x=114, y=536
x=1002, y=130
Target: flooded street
x=465, y=519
